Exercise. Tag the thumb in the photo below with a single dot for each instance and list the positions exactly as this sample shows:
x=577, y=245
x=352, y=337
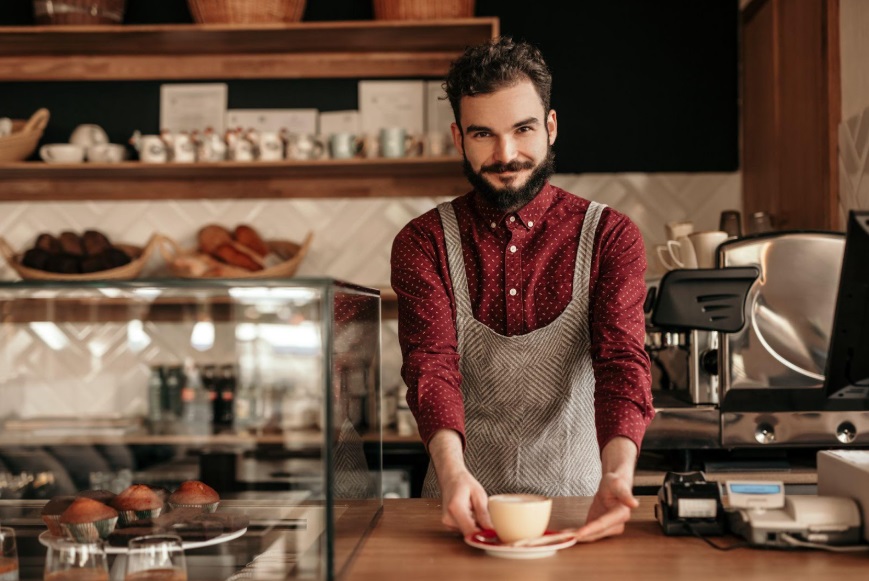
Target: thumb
x=480, y=503
x=622, y=492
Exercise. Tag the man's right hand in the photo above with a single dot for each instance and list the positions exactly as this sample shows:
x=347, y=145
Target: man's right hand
x=464, y=503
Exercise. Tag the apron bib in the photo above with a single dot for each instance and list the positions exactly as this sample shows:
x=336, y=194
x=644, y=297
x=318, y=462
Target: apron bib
x=529, y=399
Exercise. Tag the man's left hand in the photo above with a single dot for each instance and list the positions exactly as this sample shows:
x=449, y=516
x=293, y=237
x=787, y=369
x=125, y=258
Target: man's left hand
x=610, y=509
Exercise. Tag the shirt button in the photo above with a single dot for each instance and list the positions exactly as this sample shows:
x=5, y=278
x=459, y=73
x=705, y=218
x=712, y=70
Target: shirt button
x=530, y=223
x=493, y=225
x=512, y=218
x=513, y=248
x=512, y=292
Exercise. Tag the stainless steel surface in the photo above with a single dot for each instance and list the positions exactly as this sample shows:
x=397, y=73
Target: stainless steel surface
x=783, y=428
x=703, y=383
x=789, y=310
x=679, y=424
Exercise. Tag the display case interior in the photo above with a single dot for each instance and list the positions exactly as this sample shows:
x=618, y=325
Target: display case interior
x=266, y=391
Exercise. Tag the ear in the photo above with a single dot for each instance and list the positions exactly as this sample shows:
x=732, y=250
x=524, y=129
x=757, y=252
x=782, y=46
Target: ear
x=457, y=138
x=552, y=126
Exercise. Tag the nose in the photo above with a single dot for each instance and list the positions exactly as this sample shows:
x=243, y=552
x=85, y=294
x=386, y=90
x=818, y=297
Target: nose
x=505, y=150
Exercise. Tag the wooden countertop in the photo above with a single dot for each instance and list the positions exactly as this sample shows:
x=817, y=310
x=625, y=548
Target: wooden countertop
x=409, y=542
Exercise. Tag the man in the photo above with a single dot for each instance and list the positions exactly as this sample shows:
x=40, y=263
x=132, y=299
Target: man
x=520, y=313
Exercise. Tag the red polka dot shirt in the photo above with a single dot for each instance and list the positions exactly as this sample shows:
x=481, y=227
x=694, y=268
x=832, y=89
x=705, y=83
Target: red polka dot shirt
x=534, y=252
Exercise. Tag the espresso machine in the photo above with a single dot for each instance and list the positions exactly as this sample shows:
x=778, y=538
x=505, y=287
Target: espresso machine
x=739, y=351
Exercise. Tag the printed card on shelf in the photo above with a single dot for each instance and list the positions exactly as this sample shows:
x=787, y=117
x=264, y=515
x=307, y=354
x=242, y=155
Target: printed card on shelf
x=293, y=120
x=391, y=104
x=193, y=107
x=438, y=112
x=332, y=122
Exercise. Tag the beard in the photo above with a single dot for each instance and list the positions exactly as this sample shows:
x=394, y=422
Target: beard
x=508, y=199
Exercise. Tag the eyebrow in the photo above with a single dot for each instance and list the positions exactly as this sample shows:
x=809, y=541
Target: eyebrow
x=528, y=121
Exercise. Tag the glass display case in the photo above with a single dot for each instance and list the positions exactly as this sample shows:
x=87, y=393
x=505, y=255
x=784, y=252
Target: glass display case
x=266, y=390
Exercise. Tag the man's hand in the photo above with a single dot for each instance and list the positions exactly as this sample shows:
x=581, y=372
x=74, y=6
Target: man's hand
x=465, y=503
x=610, y=509
x=614, y=501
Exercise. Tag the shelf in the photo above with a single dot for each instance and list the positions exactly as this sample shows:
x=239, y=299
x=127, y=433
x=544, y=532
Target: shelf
x=354, y=49
x=357, y=178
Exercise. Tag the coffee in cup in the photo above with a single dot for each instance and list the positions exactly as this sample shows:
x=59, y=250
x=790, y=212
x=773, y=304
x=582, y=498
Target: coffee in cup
x=519, y=516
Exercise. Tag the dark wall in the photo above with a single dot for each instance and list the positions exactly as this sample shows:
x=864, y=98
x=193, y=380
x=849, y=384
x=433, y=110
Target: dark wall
x=638, y=85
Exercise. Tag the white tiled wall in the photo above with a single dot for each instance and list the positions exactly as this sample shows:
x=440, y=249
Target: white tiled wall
x=352, y=238
x=853, y=164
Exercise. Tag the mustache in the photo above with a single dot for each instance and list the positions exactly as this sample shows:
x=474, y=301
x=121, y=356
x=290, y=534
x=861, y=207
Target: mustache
x=509, y=166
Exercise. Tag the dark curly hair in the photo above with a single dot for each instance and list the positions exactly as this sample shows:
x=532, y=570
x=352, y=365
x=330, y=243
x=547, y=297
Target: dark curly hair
x=493, y=65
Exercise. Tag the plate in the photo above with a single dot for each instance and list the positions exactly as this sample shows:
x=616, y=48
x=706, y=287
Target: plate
x=488, y=541
x=45, y=539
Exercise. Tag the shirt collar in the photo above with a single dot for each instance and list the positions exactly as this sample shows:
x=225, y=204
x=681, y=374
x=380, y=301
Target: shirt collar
x=528, y=215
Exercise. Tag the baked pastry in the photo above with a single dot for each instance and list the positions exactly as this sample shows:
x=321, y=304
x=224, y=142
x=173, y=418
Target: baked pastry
x=234, y=256
x=250, y=238
x=64, y=263
x=95, y=242
x=194, y=494
x=212, y=236
x=87, y=520
x=71, y=243
x=36, y=258
x=104, y=496
x=137, y=501
x=48, y=243
x=51, y=513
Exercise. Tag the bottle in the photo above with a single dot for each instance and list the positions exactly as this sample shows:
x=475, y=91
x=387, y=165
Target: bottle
x=225, y=397
x=196, y=408
x=246, y=415
x=210, y=383
x=156, y=388
x=171, y=400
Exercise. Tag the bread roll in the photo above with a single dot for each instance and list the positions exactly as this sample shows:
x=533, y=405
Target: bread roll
x=36, y=258
x=48, y=243
x=212, y=236
x=95, y=242
x=71, y=243
x=235, y=257
x=249, y=237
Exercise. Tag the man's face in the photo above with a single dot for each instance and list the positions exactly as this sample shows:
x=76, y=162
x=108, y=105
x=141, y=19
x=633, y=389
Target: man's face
x=506, y=139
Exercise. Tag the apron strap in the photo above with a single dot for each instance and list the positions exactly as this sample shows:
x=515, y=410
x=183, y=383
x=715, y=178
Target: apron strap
x=456, y=260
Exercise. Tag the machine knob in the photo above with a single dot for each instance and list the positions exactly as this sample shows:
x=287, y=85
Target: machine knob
x=764, y=433
x=709, y=361
x=846, y=432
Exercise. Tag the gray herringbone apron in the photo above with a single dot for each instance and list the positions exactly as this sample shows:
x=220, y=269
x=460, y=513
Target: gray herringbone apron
x=529, y=399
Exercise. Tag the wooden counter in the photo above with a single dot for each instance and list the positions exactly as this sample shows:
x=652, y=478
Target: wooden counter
x=410, y=543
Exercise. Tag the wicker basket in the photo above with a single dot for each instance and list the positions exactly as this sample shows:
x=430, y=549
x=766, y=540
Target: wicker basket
x=291, y=253
x=422, y=9
x=139, y=258
x=25, y=136
x=246, y=11
x=79, y=11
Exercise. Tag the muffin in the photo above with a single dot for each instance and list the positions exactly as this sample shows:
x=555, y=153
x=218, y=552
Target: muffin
x=104, y=496
x=87, y=520
x=195, y=494
x=136, y=502
x=51, y=513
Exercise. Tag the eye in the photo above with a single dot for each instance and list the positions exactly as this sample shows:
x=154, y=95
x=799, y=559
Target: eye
x=524, y=129
x=480, y=134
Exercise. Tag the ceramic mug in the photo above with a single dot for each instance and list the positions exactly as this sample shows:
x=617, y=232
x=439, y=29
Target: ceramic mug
x=676, y=230
x=269, y=146
x=519, y=516
x=345, y=145
x=664, y=257
x=88, y=134
x=435, y=144
x=151, y=148
x=682, y=252
x=106, y=153
x=705, y=244
x=62, y=153
x=395, y=142
x=304, y=146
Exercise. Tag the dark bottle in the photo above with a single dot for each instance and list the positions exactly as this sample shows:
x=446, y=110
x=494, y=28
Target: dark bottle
x=210, y=383
x=225, y=405
x=174, y=378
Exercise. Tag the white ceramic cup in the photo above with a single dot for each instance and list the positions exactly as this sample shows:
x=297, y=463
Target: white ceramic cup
x=88, y=134
x=435, y=144
x=302, y=146
x=519, y=516
x=682, y=252
x=62, y=153
x=106, y=153
x=705, y=244
x=270, y=146
x=393, y=142
x=664, y=257
x=676, y=230
x=345, y=145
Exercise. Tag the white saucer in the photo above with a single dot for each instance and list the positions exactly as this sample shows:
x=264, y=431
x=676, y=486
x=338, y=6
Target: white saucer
x=488, y=541
x=45, y=539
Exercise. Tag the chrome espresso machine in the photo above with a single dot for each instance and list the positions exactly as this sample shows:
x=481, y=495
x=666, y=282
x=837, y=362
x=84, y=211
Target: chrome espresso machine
x=767, y=349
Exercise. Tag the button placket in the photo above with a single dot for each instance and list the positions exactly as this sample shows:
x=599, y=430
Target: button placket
x=513, y=278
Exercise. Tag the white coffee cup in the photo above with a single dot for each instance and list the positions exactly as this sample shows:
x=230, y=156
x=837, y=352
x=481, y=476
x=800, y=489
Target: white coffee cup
x=106, y=153
x=682, y=252
x=678, y=229
x=664, y=257
x=151, y=148
x=304, y=146
x=705, y=244
x=396, y=142
x=345, y=145
x=435, y=144
x=519, y=516
x=88, y=134
x=270, y=146
x=62, y=153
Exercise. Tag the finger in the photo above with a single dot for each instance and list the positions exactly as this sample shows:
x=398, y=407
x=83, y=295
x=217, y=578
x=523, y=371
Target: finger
x=613, y=517
x=461, y=514
x=480, y=503
x=612, y=531
x=623, y=493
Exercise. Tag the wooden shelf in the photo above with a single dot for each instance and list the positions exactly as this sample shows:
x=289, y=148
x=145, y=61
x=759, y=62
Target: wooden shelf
x=357, y=178
x=354, y=49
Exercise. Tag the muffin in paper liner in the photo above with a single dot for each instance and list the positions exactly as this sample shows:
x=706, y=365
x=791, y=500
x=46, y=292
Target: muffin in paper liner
x=52, y=521
x=205, y=507
x=88, y=532
x=126, y=517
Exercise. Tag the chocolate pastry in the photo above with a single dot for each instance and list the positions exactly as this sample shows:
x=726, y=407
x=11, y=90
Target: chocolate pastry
x=115, y=257
x=36, y=258
x=95, y=242
x=249, y=237
x=71, y=243
x=63, y=263
x=48, y=243
x=94, y=263
x=212, y=236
